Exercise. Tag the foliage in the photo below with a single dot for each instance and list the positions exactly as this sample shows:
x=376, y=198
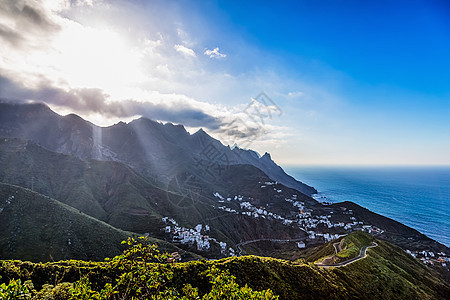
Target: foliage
x=16, y=290
x=350, y=248
x=139, y=278
x=224, y=286
x=143, y=273
x=143, y=280
x=61, y=291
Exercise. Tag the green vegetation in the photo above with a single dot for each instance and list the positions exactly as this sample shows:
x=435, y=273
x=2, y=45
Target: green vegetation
x=347, y=247
x=285, y=250
x=120, y=196
x=389, y=273
x=35, y=227
x=38, y=228
x=319, y=252
x=352, y=244
x=141, y=272
x=16, y=290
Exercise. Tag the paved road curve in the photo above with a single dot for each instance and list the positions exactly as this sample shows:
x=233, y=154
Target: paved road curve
x=362, y=254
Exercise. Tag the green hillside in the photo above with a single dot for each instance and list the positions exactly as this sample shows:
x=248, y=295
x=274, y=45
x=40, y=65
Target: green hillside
x=38, y=228
x=386, y=273
x=108, y=191
x=114, y=193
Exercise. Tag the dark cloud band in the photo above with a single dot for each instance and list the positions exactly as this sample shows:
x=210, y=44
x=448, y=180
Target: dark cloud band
x=92, y=100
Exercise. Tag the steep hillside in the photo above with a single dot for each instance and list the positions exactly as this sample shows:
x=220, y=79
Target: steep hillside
x=242, y=205
x=385, y=273
x=388, y=272
x=116, y=194
x=38, y=228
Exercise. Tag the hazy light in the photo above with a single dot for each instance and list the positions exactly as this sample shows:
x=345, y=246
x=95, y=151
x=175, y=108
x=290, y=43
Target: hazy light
x=93, y=57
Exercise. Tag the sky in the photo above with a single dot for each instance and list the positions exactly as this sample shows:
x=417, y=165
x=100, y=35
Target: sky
x=311, y=82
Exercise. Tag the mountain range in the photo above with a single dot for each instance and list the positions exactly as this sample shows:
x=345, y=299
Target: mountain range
x=158, y=150
x=72, y=190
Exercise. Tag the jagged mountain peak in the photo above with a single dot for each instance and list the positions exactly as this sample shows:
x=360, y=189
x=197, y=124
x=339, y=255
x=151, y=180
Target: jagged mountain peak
x=118, y=124
x=234, y=146
x=144, y=120
x=203, y=139
x=76, y=120
x=266, y=156
x=200, y=132
x=177, y=126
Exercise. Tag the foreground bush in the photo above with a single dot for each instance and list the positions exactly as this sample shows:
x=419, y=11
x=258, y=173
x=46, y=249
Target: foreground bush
x=141, y=273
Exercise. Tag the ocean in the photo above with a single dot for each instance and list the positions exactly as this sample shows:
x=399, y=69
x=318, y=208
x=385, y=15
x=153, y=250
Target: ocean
x=415, y=196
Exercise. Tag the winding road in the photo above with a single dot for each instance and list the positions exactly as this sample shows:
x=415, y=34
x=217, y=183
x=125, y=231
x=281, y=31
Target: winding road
x=362, y=254
x=337, y=247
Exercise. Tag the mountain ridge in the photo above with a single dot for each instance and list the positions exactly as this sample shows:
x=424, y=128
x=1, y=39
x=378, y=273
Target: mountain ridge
x=150, y=142
x=116, y=194
x=37, y=228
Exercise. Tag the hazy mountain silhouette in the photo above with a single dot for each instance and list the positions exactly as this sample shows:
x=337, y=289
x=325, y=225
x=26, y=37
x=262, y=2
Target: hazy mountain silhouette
x=151, y=148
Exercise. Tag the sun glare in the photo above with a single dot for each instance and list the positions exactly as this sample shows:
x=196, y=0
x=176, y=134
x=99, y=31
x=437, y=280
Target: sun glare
x=94, y=57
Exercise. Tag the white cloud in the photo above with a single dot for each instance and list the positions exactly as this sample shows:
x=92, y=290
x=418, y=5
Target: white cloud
x=295, y=94
x=214, y=53
x=185, y=50
x=53, y=54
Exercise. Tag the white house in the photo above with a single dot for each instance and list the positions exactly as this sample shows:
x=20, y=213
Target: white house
x=301, y=244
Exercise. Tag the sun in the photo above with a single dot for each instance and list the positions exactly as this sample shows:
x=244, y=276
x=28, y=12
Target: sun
x=91, y=57
x=81, y=56
x=95, y=57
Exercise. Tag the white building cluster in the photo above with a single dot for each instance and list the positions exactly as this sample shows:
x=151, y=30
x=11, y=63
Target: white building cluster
x=197, y=235
x=217, y=195
x=431, y=258
x=253, y=211
x=227, y=209
x=328, y=237
x=270, y=183
x=295, y=203
x=304, y=219
x=371, y=229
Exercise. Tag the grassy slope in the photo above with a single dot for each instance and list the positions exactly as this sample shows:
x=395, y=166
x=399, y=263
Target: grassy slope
x=108, y=191
x=114, y=193
x=387, y=273
x=350, y=246
x=36, y=227
x=390, y=273
x=103, y=190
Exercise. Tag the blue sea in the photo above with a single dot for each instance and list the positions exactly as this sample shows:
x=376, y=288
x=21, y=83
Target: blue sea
x=416, y=196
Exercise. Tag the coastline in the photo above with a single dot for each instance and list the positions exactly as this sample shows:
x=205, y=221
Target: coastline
x=415, y=196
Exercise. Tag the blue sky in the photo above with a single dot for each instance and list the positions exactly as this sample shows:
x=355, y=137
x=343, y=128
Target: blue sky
x=357, y=82
x=405, y=44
